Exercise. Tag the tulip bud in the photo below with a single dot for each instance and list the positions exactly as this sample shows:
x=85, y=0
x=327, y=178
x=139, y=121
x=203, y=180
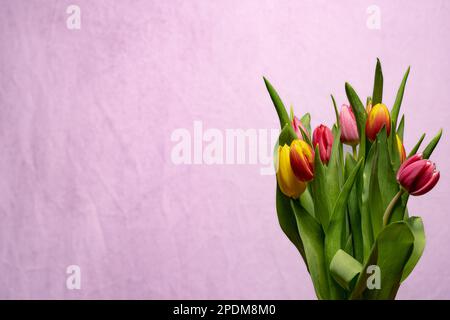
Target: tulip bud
x=297, y=124
x=401, y=149
x=287, y=181
x=377, y=118
x=368, y=105
x=417, y=175
x=349, y=128
x=323, y=137
x=302, y=160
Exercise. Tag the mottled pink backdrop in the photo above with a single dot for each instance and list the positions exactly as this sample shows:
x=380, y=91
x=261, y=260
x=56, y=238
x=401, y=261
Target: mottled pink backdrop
x=86, y=116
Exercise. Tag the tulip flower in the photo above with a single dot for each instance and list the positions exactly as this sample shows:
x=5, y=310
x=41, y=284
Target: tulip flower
x=297, y=124
x=401, y=149
x=377, y=119
x=323, y=137
x=349, y=128
x=417, y=175
x=302, y=160
x=289, y=184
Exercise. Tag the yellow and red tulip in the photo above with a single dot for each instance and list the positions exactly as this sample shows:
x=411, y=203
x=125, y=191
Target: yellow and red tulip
x=417, y=175
x=323, y=137
x=302, y=160
x=289, y=184
x=401, y=149
x=377, y=118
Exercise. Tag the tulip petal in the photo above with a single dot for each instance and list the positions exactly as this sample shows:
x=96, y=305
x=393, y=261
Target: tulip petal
x=410, y=173
x=407, y=162
x=424, y=175
x=301, y=167
x=431, y=183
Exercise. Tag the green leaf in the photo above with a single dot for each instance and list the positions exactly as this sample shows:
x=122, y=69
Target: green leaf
x=279, y=106
x=313, y=239
x=287, y=221
x=335, y=235
x=307, y=202
x=305, y=137
x=416, y=226
x=358, y=108
x=401, y=128
x=366, y=203
x=398, y=100
x=417, y=146
x=391, y=251
x=345, y=269
x=377, y=96
x=318, y=185
x=354, y=212
x=287, y=135
x=387, y=182
x=430, y=147
x=336, y=112
x=306, y=122
x=333, y=173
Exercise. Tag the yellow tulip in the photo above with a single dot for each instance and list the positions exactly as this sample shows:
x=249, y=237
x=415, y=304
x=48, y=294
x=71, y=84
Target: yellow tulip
x=287, y=181
x=401, y=149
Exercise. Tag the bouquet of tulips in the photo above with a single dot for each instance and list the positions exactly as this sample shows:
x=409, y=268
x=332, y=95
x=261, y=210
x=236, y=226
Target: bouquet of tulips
x=346, y=212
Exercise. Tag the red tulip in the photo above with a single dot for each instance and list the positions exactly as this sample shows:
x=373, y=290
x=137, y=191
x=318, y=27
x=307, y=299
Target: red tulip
x=377, y=119
x=297, y=124
x=323, y=137
x=349, y=128
x=417, y=175
x=302, y=160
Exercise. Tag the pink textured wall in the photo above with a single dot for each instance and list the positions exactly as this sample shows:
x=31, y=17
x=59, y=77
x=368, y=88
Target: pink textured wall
x=86, y=117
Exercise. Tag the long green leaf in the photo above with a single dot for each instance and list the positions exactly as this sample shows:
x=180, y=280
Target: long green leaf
x=377, y=96
x=366, y=203
x=287, y=221
x=416, y=147
x=322, y=206
x=358, y=107
x=313, y=240
x=398, y=100
x=354, y=211
x=336, y=112
x=335, y=235
x=387, y=183
x=432, y=145
x=279, y=106
x=401, y=127
x=306, y=121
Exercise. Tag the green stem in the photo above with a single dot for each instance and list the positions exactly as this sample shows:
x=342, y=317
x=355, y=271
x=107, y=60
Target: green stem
x=388, y=213
x=355, y=154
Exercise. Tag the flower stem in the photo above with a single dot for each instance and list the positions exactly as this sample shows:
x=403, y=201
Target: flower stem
x=355, y=155
x=388, y=213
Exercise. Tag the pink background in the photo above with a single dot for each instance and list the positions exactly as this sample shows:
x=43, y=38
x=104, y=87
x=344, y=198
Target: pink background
x=85, y=124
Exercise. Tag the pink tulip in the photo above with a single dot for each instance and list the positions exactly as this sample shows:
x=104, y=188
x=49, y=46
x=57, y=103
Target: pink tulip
x=417, y=175
x=323, y=137
x=349, y=129
x=297, y=124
